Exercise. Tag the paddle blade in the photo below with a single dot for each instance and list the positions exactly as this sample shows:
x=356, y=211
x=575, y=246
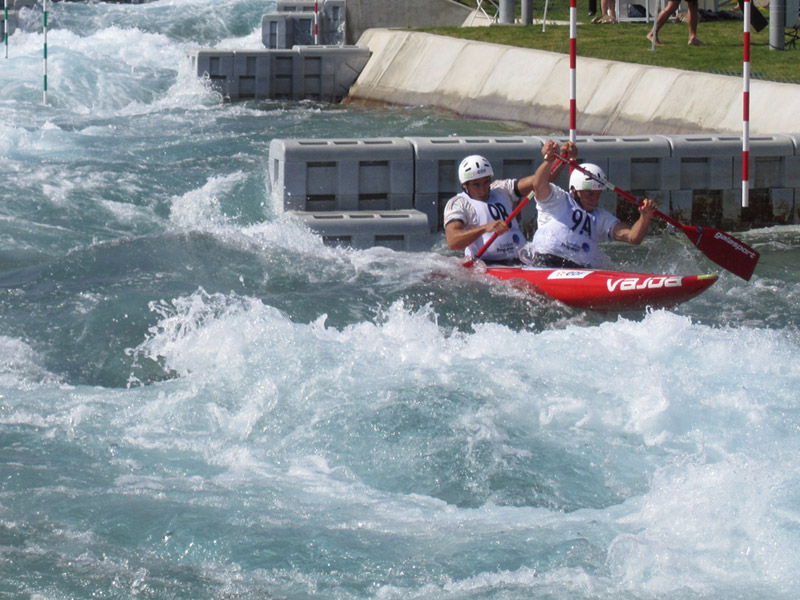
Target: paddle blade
x=724, y=249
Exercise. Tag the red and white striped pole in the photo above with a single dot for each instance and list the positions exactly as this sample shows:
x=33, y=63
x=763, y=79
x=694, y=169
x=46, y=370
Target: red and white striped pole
x=573, y=79
x=573, y=35
x=746, y=108
x=316, y=22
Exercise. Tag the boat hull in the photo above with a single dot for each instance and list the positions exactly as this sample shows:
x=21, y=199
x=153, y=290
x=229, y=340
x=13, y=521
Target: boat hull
x=606, y=291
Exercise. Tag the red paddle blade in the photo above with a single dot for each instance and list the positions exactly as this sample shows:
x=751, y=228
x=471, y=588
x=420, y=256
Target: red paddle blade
x=724, y=249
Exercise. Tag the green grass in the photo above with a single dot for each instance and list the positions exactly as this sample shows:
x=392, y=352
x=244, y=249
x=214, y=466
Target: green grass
x=627, y=42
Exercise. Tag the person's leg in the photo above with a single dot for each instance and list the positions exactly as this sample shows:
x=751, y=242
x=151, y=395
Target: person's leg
x=693, y=19
x=612, y=10
x=603, y=7
x=609, y=12
x=662, y=18
x=603, y=12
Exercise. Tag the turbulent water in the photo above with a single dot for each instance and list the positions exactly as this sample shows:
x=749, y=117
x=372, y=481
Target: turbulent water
x=199, y=399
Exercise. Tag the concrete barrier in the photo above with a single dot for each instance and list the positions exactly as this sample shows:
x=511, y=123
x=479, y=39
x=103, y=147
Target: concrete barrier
x=293, y=24
x=358, y=192
x=391, y=191
x=366, y=14
x=398, y=229
x=303, y=72
x=279, y=30
x=490, y=81
x=343, y=174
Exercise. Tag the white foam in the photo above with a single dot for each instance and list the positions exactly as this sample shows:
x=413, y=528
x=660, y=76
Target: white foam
x=21, y=366
x=200, y=208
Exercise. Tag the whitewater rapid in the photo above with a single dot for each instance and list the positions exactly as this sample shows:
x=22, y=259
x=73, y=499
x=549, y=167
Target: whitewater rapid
x=200, y=399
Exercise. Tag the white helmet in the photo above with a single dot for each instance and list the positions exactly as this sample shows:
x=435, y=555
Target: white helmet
x=581, y=181
x=474, y=167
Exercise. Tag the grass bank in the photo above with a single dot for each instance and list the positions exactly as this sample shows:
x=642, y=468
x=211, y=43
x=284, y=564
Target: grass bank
x=627, y=42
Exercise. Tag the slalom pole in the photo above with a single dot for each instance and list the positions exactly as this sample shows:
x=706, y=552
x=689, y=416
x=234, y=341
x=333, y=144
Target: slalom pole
x=654, y=32
x=746, y=109
x=573, y=46
x=544, y=16
x=44, y=31
x=573, y=80
x=5, y=24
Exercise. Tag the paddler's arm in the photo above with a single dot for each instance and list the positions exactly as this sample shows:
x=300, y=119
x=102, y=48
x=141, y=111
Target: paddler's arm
x=636, y=233
x=568, y=150
x=539, y=182
x=458, y=236
x=527, y=184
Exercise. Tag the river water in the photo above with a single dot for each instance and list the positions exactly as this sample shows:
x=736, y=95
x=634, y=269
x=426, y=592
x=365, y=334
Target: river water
x=199, y=399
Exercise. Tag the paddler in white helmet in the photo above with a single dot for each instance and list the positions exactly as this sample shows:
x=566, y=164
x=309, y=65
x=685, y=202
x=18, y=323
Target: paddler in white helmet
x=571, y=225
x=472, y=217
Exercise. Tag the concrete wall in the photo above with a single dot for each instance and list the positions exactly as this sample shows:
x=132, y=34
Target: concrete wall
x=293, y=24
x=391, y=191
x=366, y=14
x=302, y=72
x=490, y=81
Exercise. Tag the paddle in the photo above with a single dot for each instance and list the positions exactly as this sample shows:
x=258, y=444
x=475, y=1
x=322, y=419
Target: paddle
x=469, y=262
x=724, y=249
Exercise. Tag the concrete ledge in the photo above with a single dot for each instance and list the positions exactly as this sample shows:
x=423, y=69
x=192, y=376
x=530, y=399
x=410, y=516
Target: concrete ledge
x=314, y=72
x=366, y=14
x=490, y=81
x=397, y=229
x=391, y=191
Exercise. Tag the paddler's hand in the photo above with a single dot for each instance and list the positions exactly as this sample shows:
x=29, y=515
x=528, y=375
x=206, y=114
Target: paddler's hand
x=549, y=151
x=647, y=209
x=499, y=227
x=569, y=150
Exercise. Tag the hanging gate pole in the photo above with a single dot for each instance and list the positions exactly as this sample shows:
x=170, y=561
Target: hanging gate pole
x=573, y=76
x=44, y=31
x=5, y=24
x=746, y=109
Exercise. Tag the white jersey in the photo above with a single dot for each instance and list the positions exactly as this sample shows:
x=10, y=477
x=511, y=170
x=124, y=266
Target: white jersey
x=474, y=213
x=567, y=230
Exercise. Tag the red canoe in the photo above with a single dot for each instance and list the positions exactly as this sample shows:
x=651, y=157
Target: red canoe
x=610, y=291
